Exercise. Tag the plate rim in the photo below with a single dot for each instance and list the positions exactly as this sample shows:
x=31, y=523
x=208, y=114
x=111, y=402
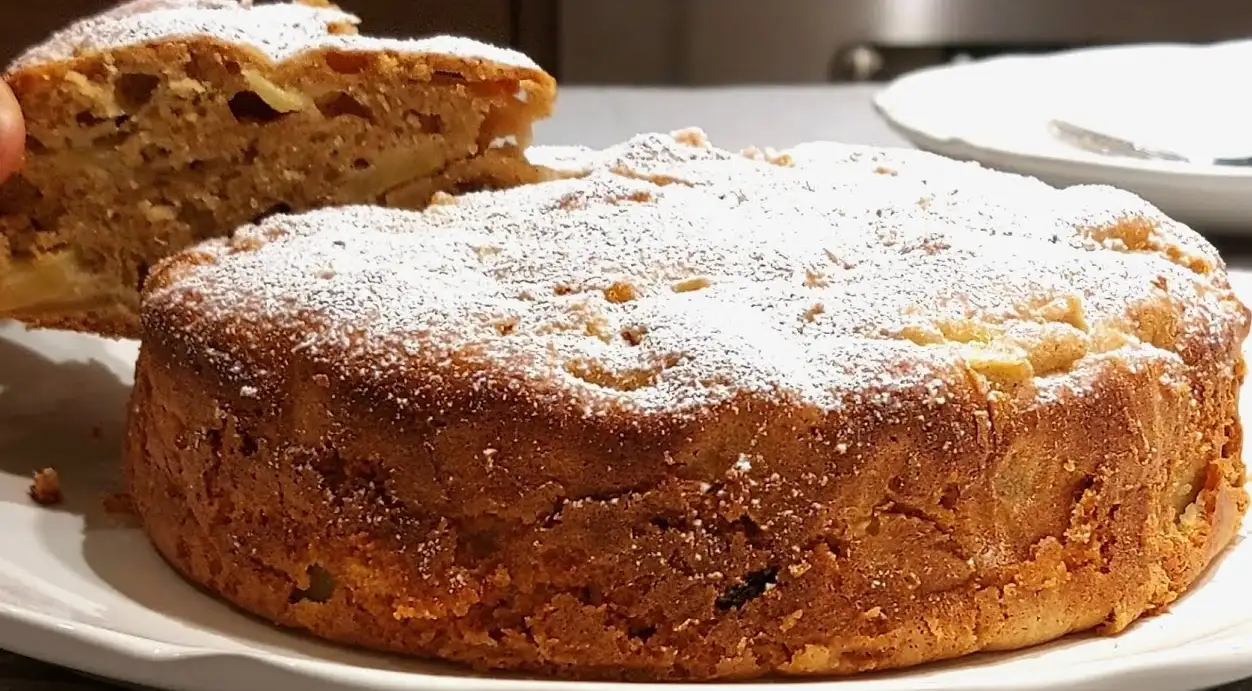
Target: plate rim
x=886, y=103
x=1226, y=659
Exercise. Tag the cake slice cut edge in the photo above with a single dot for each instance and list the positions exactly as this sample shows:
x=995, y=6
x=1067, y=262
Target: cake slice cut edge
x=161, y=123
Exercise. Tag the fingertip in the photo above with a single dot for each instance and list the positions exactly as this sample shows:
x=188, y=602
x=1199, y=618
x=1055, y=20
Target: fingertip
x=12, y=133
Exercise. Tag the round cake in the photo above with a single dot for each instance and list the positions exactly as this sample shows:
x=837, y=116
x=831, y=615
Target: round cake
x=695, y=414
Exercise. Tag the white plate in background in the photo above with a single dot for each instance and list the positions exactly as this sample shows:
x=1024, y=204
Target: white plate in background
x=997, y=111
x=81, y=590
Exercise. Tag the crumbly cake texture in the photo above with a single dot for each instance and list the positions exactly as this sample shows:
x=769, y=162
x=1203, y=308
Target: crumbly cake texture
x=161, y=123
x=45, y=487
x=693, y=414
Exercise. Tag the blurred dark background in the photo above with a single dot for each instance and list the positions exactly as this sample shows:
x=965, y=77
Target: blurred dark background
x=703, y=42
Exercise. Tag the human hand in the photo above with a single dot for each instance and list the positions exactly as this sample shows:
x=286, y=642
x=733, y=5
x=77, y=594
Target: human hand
x=12, y=133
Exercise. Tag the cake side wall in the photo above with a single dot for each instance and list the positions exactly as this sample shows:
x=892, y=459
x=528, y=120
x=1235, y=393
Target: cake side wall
x=760, y=536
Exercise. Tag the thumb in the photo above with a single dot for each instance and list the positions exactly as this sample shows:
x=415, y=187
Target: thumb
x=12, y=133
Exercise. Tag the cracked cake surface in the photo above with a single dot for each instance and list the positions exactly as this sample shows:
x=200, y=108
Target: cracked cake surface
x=161, y=123
x=689, y=413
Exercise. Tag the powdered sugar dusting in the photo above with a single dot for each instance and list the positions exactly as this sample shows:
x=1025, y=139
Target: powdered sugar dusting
x=280, y=31
x=672, y=275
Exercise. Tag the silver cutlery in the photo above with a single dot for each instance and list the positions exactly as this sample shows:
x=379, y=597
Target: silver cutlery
x=1102, y=143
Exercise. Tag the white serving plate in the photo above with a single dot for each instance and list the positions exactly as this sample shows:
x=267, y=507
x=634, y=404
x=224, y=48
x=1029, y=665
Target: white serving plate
x=82, y=590
x=997, y=111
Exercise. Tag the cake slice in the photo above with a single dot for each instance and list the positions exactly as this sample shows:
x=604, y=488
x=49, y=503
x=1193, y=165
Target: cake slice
x=161, y=123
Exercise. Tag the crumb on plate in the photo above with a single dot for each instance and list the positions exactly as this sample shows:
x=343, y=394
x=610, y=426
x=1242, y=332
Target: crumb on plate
x=45, y=488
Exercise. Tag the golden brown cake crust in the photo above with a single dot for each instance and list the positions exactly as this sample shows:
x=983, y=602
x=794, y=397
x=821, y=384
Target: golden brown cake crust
x=830, y=465
x=165, y=122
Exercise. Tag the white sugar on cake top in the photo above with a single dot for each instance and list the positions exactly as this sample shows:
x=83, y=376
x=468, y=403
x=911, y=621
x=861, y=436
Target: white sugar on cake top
x=673, y=274
x=279, y=31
